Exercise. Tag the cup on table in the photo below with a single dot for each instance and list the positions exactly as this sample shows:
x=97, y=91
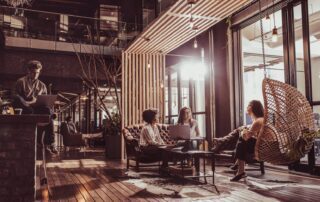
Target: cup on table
x=18, y=111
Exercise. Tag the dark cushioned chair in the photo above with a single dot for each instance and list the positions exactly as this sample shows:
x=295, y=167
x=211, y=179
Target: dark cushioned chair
x=131, y=136
x=224, y=148
x=70, y=140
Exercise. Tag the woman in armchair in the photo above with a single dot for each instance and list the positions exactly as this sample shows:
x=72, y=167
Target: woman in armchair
x=150, y=137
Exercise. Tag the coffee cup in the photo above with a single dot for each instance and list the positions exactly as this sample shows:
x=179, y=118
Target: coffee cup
x=18, y=111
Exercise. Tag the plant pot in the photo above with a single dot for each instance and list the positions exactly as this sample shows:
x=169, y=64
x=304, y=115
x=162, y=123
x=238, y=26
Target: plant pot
x=113, y=146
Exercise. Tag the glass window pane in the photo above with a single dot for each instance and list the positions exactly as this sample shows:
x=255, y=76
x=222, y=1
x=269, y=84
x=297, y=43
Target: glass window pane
x=166, y=96
x=201, y=119
x=252, y=57
x=185, y=97
x=199, y=86
x=194, y=72
x=298, y=34
x=314, y=27
x=174, y=93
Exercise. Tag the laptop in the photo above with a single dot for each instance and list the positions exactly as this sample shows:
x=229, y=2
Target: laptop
x=180, y=132
x=45, y=100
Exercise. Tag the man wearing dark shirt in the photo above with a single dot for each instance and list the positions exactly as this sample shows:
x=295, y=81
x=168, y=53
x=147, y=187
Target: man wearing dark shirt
x=26, y=91
x=28, y=88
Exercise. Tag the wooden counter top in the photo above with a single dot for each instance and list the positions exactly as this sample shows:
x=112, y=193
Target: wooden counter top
x=30, y=118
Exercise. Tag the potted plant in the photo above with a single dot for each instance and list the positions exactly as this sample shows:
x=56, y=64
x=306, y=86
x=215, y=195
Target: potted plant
x=113, y=136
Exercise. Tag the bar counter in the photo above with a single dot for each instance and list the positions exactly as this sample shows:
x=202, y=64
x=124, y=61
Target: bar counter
x=18, y=156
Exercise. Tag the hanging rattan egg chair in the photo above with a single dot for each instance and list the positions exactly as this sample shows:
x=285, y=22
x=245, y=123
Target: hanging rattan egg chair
x=288, y=132
x=288, y=118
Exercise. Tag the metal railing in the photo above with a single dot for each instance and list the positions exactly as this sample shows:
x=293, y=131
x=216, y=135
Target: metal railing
x=28, y=23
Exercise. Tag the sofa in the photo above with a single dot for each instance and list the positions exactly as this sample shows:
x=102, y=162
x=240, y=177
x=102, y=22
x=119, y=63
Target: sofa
x=131, y=136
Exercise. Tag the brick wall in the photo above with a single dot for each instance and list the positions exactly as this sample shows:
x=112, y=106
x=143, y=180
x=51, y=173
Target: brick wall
x=17, y=161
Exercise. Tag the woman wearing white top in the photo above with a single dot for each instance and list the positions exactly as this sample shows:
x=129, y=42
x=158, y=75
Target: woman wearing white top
x=185, y=118
x=150, y=137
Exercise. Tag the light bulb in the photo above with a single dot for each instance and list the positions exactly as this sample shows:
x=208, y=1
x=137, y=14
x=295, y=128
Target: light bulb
x=161, y=85
x=191, y=22
x=195, y=43
x=267, y=17
x=274, y=35
x=149, y=65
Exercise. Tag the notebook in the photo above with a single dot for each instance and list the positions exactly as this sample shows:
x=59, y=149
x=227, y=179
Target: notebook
x=180, y=132
x=45, y=100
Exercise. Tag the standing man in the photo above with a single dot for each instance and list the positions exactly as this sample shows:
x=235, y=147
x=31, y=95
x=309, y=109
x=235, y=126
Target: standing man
x=26, y=91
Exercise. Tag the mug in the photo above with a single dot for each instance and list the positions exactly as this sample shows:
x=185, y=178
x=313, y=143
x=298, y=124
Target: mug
x=18, y=111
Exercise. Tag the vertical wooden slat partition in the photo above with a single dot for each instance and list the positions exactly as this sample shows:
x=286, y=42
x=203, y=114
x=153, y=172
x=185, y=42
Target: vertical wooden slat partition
x=142, y=85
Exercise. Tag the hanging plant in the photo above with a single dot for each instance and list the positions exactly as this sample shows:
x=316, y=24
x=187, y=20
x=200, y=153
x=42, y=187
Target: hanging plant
x=298, y=148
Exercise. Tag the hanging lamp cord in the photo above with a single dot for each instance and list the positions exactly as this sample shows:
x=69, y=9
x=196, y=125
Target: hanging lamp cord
x=262, y=41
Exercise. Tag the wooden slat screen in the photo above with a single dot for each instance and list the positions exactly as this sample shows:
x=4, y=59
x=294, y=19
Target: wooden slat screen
x=142, y=85
x=171, y=29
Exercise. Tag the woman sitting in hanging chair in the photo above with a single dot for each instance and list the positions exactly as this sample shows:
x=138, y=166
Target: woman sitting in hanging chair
x=247, y=140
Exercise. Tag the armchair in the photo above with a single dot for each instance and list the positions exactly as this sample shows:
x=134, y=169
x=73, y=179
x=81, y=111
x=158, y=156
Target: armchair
x=131, y=136
x=71, y=140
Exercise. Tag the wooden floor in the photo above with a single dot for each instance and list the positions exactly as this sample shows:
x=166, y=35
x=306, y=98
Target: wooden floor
x=89, y=177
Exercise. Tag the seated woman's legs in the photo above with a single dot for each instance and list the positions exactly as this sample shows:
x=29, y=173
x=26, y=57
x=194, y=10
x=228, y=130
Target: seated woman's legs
x=243, y=148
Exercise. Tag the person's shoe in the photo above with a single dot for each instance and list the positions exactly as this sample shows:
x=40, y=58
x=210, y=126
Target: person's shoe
x=234, y=167
x=48, y=151
x=238, y=177
x=54, y=150
x=51, y=150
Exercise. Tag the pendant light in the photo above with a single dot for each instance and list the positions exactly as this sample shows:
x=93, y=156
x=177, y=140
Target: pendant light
x=274, y=30
x=195, y=43
x=191, y=20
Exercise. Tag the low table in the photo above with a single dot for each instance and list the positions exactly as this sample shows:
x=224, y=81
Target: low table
x=194, y=155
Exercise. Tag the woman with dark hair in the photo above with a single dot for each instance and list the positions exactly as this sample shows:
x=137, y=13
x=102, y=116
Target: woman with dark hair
x=247, y=140
x=150, y=135
x=185, y=118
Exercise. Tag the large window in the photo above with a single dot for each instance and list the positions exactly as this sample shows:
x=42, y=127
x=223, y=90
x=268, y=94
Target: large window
x=252, y=58
x=314, y=30
x=294, y=58
x=186, y=87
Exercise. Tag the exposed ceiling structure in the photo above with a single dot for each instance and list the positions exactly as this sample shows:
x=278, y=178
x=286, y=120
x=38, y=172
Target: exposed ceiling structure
x=172, y=28
x=75, y=7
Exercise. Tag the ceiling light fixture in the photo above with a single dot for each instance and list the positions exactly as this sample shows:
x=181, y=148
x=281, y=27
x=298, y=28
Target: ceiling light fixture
x=274, y=35
x=195, y=43
x=267, y=15
x=274, y=30
x=161, y=84
x=148, y=65
x=191, y=20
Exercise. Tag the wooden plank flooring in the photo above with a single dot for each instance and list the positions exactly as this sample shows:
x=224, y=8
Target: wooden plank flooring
x=73, y=177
